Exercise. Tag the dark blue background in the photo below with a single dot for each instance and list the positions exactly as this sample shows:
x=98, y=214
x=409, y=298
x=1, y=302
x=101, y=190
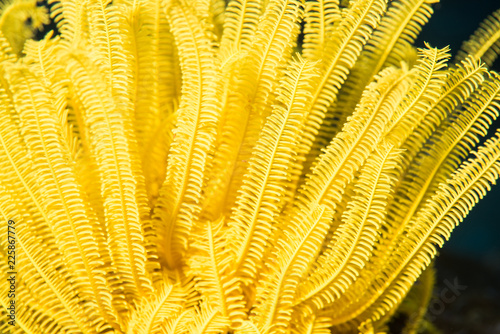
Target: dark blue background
x=479, y=235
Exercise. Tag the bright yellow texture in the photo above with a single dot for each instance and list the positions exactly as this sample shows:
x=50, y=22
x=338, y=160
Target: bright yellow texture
x=180, y=167
x=19, y=20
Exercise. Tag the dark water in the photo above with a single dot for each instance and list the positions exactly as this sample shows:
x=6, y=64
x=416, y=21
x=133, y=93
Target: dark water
x=453, y=22
x=471, y=258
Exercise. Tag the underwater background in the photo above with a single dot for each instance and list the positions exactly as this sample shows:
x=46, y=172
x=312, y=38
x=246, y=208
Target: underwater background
x=452, y=23
x=467, y=293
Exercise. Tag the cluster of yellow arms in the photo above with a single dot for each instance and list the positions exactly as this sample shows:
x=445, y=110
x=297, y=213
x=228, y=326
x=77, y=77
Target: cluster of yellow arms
x=249, y=167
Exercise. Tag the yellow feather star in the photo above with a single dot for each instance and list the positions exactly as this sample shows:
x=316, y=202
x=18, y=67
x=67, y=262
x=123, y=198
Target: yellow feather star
x=175, y=166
